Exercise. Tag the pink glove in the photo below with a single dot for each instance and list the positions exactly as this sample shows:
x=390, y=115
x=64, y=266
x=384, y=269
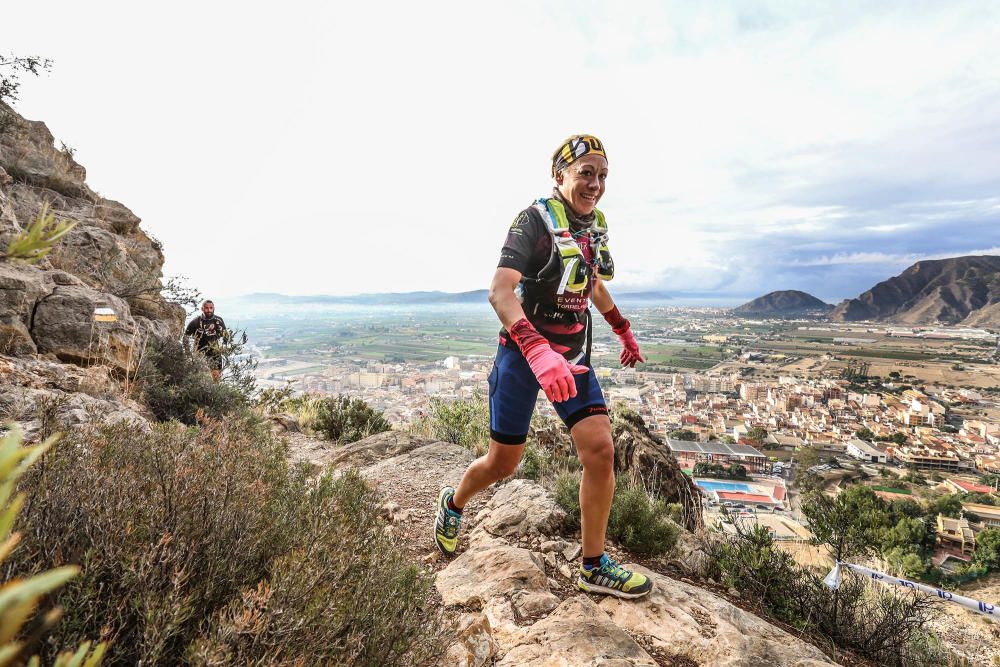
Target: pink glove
x=630, y=348
x=553, y=372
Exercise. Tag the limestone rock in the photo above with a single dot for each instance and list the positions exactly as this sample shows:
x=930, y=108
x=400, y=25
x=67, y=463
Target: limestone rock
x=528, y=603
x=651, y=465
x=479, y=575
x=63, y=324
x=690, y=554
x=687, y=620
x=521, y=509
x=552, y=545
x=105, y=258
x=375, y=448
x=577, y=634
x=474, y=646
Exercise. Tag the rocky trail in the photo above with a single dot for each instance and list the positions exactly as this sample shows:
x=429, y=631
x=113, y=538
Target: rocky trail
x=511, y=585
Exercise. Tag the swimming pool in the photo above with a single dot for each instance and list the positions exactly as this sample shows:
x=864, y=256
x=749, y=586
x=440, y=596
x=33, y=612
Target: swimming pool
x=722, y=486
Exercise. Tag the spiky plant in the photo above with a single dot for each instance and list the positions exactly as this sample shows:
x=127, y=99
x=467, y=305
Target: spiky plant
x=39, y=238
x=20, y=598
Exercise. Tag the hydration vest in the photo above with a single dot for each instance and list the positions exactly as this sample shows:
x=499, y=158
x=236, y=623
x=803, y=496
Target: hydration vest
x=567, y=260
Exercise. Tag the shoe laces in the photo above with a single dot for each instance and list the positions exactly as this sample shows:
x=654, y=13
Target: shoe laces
x=614, y=569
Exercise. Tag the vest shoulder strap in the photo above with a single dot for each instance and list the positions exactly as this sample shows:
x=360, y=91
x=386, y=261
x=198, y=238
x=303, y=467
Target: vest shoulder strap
x=554, y=212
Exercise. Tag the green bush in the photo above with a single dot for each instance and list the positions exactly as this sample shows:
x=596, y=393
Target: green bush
x=346, y=419
x=637, y=522
x=202, y=545
x=465, y=423
x=176, y=384
x=535, y=461
x=567, y=494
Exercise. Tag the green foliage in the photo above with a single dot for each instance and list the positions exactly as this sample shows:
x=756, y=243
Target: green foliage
x=637, y=521
x=176, y=384
x=535, y=461
x=465, y=423
x=950, y=505
x=876, y=623
x=37, y=241
x=347, y=419
x=202, y=545
x=720, y=471
x=849, y=524
x=683, y=434
x=865, y=433
x=640, y=523
x=807, y=456
x=21, y=597
x=11, y=69
x=567, y=495
x=982, y=499
x=757, y=434
x=988, y=548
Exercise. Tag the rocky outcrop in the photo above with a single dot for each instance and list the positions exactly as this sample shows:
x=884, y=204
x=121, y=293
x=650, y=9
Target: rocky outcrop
x=958, y=290
x=510, y=591
x=105, y=261
x=707, y=629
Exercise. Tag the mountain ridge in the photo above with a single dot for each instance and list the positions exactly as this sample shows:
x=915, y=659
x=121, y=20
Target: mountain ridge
x=961, y=290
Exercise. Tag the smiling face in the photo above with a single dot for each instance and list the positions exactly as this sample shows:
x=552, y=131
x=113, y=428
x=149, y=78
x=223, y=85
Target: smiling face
x=582, y=183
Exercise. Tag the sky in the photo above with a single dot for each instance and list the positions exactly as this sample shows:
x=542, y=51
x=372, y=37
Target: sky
x=335, y=148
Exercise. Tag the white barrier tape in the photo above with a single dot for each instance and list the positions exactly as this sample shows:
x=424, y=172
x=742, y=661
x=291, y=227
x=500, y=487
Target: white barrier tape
x=833, y=581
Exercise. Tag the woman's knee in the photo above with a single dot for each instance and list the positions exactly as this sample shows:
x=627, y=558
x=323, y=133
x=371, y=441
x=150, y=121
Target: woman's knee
x=503, y=460
x=598, y=455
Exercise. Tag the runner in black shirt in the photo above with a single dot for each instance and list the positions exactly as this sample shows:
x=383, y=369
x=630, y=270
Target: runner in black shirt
x=553, y=265
x=208, y=330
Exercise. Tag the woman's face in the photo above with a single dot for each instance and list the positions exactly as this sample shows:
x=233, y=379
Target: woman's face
x=582, y=183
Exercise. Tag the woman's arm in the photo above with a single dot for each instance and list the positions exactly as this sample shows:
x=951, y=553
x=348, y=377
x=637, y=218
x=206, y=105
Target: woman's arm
x=502, y=296
x=601, y=297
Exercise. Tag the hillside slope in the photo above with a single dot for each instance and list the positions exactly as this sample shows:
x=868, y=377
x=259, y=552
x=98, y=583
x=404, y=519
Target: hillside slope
x=958, y=290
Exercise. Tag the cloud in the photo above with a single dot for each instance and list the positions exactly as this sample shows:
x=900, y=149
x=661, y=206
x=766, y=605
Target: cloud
x=382, y=147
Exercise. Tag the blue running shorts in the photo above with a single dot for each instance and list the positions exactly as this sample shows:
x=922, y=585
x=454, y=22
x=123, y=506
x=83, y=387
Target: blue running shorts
x=514, y=390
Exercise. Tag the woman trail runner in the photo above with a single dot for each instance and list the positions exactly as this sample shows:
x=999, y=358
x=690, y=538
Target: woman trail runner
x=553, y=265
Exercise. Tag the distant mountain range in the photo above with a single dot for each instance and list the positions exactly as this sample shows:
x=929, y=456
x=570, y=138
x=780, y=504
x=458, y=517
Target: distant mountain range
x=412, y=298
x=784, y=303
x=383, y=299
x=958, y=290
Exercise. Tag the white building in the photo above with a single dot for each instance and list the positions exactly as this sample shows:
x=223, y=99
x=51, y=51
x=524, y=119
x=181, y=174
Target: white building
x=862, y=451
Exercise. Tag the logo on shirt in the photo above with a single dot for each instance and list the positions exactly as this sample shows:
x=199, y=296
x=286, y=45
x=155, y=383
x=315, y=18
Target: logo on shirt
x=521, y=219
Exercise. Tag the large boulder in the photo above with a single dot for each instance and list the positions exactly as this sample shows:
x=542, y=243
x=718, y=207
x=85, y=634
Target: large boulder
x=521, y=509
x=577, y=634
x=479, y=575
x=709, y=630
x=64, y=325
x=21, y=287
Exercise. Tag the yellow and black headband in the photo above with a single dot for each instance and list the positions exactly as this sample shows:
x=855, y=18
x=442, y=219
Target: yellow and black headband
x=575, y=148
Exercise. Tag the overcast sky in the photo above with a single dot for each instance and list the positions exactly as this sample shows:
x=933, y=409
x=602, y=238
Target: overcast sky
x=340, y=148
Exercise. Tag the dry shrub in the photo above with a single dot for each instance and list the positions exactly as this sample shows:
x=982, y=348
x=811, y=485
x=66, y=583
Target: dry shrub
x=885, y=626
x=183, y=532
x=177, y=384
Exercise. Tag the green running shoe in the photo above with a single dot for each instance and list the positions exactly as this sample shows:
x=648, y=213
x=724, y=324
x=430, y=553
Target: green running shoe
x=613, y=579
x=446, y=524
